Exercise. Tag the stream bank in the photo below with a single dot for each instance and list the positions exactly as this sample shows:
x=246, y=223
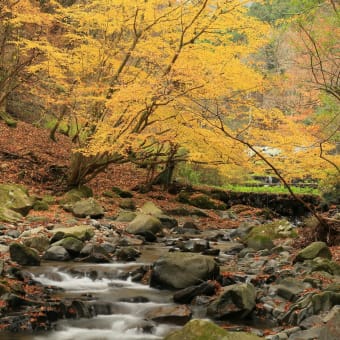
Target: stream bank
x=147, y=272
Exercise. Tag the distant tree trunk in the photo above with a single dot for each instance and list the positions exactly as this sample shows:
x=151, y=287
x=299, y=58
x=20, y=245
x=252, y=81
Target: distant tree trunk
x=83, y=168
x=165, y=177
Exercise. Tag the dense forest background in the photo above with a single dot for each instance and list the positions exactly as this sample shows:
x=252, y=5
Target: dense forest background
x=216, y=92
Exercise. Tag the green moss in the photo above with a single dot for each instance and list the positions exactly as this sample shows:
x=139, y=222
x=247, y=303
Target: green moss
x=207, y=330
x=259, y=242
x=122, y=193
x=77, y=194
x=274, y=230
x=40, y=206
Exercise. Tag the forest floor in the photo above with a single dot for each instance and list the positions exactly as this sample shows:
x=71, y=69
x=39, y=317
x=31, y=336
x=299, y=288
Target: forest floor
x=29, y=157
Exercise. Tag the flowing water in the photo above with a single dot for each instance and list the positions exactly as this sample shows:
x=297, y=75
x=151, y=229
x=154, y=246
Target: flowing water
x=113, y=296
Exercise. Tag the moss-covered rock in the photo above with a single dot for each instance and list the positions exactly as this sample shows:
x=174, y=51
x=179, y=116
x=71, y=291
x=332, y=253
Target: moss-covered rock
x=40, y=206
x=200, y=200
x=274, y=230
x=207, y=330
x=259, y=242
x=181, y=270
x=7, y=215
x=325, y=265
x=76, y=194
x=142, y=224
x=122, y=193
x=150, y=208
x=126, y=216
x=15, y=197
x=205, y=202
x=235, y=299
x=82, y=232
x=24, y=255
x=88, y=207
x=71, y=244
x=315, y=249
x=128, y=204
x=39, y=243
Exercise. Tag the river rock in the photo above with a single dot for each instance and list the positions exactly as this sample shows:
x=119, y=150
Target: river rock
x=178, y=314
x=259, y=242
x=195, y=246
x=144, y=225
x=24, y=255
x=90, y=248
x=204, y=330
x=40, y=243
x=315, y=249
x=331, y=331
x=82, y=232
x=310, y=304
x=33, y=231
x=149, y=208
x=94, y=253
x=71, y=244
x=56, y=253
x=126, y=216
x=127, y=254
x=167, y=221
x=186, y=295
x=325, y=265
x=290, y=288
x=88, y=207
x=181, y=270
x=238, y=299
x=13, y=233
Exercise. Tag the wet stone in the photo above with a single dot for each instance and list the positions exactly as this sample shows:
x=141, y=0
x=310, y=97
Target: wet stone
x=178, y=315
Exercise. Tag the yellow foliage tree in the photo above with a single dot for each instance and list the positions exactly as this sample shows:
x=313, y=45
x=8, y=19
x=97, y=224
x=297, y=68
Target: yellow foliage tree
x=137, y=66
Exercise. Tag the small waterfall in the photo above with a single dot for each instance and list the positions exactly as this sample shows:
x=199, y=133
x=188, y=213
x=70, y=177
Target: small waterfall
x=103, y=285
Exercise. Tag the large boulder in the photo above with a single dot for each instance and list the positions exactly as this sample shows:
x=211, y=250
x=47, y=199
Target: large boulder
x=149, y=208
x=82, y=232
x=24, y=255
x=178, y=314
x=260, y=242
x=144, y=224
x=39, y=243
x=15, y=198
x=88, y=207
x=56, y=253
x=237, y=299
x=76, y=194
x=8, y=215
x=315, y=249
x=204, y=330
x=71, y=244
x=126, y=216
x=186, y=295
x=181, y=270
x=95, y=253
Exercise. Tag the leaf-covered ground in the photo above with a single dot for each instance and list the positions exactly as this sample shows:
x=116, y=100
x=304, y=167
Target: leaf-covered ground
x=28, y=156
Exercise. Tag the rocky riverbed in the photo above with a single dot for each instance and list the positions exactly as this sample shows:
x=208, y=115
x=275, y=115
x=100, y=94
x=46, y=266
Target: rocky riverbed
x=148, y=272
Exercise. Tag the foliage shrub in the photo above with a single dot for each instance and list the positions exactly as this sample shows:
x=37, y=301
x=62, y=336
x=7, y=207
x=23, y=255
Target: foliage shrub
x=330, y=189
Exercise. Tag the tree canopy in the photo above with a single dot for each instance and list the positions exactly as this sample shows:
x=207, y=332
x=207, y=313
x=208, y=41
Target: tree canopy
x=158, y=81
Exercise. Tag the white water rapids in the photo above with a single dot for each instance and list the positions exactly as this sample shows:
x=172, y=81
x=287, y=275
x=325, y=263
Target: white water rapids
x=127, y=322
